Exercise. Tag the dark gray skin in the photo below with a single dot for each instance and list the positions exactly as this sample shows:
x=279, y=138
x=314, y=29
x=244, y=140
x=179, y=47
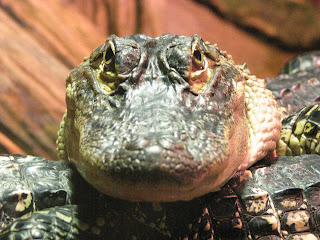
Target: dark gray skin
x=298, y=83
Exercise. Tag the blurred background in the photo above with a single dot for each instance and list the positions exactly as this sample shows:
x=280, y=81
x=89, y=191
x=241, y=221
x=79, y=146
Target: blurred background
x=41, y=41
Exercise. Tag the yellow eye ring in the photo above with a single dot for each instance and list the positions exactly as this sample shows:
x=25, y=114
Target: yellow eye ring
x=108, y=55
x=198, y=59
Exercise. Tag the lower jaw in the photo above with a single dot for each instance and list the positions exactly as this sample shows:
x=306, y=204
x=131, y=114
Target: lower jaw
x=155, y=193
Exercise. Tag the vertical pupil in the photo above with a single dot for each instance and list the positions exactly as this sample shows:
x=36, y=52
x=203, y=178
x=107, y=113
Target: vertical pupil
x=197, y=55
x=109, y=55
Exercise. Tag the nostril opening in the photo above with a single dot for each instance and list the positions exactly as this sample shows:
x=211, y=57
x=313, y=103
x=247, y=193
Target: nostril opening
x=153, y=152
x=138, y=144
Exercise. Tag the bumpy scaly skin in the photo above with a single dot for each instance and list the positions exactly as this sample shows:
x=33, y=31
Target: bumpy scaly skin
x=279, y=199
x=302, y=63
x=296, y=87
x=263, y=117
x=164, y=119
x=300, y=133
x=298, y=83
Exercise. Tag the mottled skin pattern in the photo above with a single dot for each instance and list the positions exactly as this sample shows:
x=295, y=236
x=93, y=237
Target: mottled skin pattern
x=164, y=119
x=298, y=85
x=278, y=199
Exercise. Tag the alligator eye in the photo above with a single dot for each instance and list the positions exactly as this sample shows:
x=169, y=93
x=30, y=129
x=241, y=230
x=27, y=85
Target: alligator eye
x=106, y=72
x=198, y=60
x=113, y=67
x=197, y=54
x=108, y=62
x=108, y=55
x=199, y=74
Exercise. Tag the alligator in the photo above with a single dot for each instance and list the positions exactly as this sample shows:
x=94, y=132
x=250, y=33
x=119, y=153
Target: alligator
x=162, y=139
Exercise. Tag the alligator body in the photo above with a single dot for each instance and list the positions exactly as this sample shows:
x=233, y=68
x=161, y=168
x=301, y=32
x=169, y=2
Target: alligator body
x=164, y=131
x=278, y=199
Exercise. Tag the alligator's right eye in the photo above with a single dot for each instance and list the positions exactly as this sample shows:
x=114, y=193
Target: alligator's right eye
x=108, y=63
x=105, y=69
x=108, y=55
x=113, y=62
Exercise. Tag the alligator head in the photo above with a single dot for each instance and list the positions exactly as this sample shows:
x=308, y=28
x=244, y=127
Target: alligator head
x=164, y=119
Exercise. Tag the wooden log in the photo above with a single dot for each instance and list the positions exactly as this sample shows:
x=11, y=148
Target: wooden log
x=39, y=43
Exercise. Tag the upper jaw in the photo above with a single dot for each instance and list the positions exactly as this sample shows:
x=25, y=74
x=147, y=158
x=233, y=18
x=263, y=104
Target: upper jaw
x=161, y=149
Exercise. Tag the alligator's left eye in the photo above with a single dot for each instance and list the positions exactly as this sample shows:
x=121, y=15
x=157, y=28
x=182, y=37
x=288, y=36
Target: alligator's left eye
x=198, y=60
x=198, y=56
x=199, y=70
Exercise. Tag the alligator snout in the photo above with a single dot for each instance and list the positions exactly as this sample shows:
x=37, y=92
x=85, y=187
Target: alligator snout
x=156, y=119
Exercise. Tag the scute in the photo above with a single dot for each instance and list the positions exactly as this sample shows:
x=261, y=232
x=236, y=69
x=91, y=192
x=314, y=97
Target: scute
x=249, y=206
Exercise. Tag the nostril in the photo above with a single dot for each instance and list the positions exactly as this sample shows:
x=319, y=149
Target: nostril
x=153, y=152
x=138, y=144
